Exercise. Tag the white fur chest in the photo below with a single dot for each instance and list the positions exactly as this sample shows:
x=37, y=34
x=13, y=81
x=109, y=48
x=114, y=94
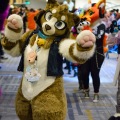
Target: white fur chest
x=30, y=90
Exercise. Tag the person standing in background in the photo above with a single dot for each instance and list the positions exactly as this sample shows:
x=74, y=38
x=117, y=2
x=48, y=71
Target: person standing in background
x=23, y=14
x=70, y=4
x=118, y=18
x=91, y=20
x=4, y=10
x=116, y=116
x=30, y=19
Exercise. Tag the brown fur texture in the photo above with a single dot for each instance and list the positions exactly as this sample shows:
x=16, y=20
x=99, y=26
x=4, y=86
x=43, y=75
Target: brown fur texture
x=48, y=105
x=48, y=43
x=80, y=61
x=32, y=39
x=15, y=30
x=8, y=45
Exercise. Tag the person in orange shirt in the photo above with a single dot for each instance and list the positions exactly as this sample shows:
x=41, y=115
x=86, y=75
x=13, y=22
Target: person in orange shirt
x=30, y=17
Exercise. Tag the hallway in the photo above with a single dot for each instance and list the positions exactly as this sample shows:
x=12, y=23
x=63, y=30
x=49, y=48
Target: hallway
x=79, y=108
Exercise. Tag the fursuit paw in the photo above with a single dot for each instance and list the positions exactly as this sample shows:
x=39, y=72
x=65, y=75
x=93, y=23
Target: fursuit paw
x=13, y=29
x=15, y=21
x=86, y=38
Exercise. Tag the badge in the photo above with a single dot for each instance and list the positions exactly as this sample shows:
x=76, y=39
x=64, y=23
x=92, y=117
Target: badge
x=32, y=74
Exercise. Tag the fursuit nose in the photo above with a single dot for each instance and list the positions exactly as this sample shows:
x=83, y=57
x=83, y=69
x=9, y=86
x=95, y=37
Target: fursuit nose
x=47, y=27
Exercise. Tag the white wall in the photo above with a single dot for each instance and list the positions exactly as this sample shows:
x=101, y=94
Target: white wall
x=81, y=3
x=36, y=4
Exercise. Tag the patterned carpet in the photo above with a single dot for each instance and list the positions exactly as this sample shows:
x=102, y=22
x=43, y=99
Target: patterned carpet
x=79, y=108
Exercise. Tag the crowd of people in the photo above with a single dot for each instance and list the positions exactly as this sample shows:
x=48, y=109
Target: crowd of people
x=79, y=70
x=27, y=16
x=109, y=26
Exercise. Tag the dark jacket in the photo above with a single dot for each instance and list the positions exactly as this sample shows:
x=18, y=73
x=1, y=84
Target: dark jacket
x=55, y=60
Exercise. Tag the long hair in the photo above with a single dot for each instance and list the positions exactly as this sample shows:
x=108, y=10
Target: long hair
x=3, y=5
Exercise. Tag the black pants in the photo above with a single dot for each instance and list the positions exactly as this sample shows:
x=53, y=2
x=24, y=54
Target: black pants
x=24, y=27
x=68, y=65
x=93, y=66
x=80, y=81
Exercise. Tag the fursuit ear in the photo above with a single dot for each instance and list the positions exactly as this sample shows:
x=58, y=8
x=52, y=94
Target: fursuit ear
x=101, y=3
x=51, y=4
x=101, y=6
x=89, y=1
x=38, y=17
x=73, y=19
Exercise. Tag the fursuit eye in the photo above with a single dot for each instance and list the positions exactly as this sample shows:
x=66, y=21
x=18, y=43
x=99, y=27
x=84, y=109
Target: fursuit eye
x=78, y=29
x=91, y=12
x=48, y=16
x=60, y=25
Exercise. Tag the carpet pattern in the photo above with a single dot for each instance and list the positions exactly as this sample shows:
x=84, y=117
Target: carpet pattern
x=79, y=108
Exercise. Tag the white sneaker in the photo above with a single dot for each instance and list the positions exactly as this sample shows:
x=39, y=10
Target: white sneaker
x=86, y=93
x=96, y=97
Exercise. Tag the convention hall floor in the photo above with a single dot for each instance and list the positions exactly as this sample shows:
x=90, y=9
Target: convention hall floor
x=79, y=108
